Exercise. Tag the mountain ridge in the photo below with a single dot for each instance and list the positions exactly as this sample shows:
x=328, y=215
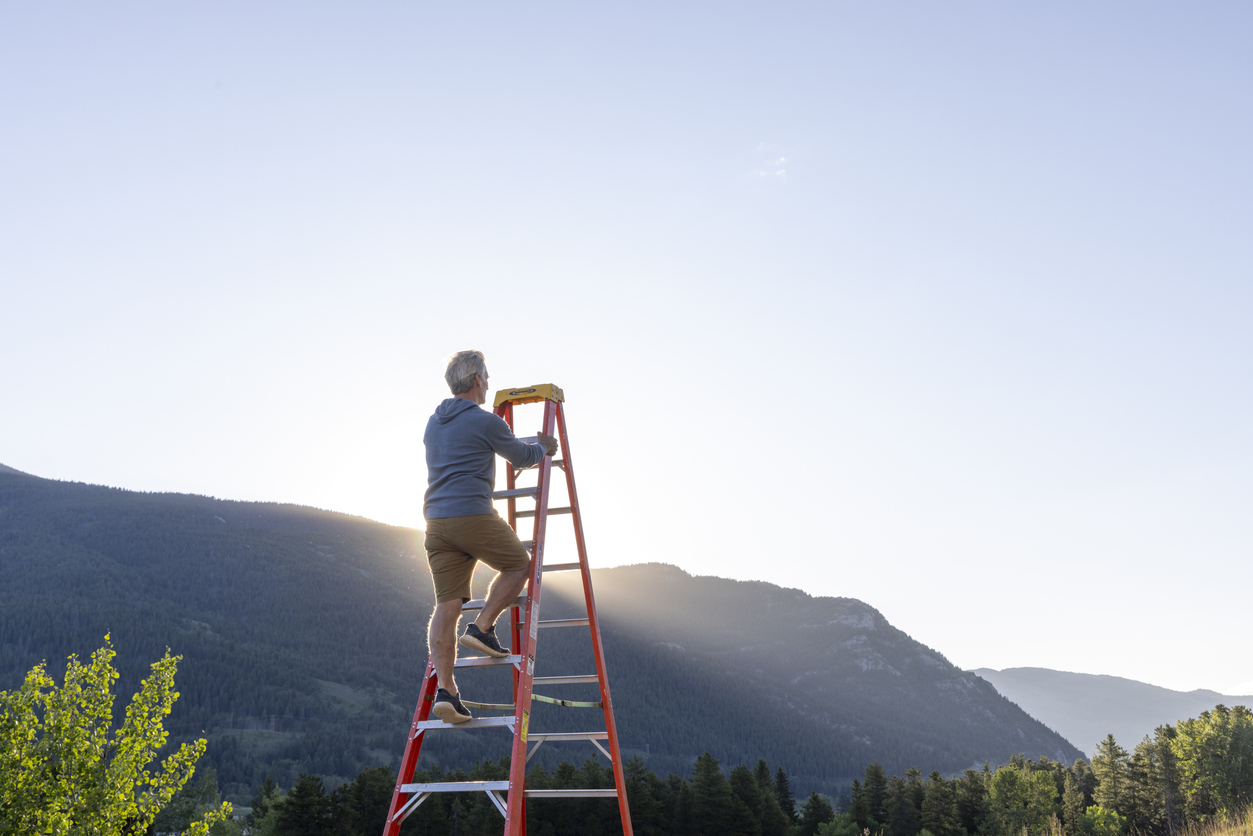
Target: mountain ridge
x=303, y=636
x=1085, y=707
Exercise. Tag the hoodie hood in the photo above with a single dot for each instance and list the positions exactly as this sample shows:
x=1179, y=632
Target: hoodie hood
x=450, y=408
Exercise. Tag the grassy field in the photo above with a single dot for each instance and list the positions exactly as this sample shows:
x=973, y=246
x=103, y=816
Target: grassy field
x=1241, y=825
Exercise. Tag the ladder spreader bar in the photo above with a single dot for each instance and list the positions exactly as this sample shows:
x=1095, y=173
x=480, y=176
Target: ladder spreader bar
x=566, y=703
x=489, y=706
x=564, y=622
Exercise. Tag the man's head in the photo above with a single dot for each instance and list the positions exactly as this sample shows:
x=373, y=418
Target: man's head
x=467, y=375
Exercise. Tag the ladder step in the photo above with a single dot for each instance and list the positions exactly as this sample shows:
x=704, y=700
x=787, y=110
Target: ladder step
x=558, y=737
x=551, y=511
x=455, y=786
x=486, y=661
x=589, y=793
x=565, y=622
x=477, y=603
x=561, y=567
x=556, y=463
x=515, y=492
x=476, y=723
x=564, y=680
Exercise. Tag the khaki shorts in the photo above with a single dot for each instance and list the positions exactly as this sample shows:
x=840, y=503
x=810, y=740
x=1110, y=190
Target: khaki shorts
x=455, y=544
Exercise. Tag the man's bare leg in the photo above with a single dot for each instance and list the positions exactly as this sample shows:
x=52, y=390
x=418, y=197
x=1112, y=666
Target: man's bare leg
x=504, y=590
x=441, y=637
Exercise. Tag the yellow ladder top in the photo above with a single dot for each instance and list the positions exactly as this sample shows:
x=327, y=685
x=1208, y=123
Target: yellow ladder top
x=530, y=394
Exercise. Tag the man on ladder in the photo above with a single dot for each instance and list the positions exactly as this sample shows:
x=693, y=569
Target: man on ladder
x=462, y=527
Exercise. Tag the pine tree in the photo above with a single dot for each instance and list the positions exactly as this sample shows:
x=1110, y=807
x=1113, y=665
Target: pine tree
x=939, y=807
x=876, y=788
x=913, y=781
x=972, y=800
x=765, y=782
x=644, y=791
x=711, y=797
x=684, y=822
x=266, y=795
x=1145, y=807
x=783, y=792
x=366, y=799
x=1163, y=737
x=902, y=814
x=746, y=815
x=1110, y=767
x=816, y=812
x=1086, y=779
x=858, y=807
x=306, y=811
x=1072, y=805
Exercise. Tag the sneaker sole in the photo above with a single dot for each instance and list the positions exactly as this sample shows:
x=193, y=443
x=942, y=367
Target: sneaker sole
x=447, y=712
x=475, y=644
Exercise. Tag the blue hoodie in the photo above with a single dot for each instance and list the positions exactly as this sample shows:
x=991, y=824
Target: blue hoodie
x=461, y=446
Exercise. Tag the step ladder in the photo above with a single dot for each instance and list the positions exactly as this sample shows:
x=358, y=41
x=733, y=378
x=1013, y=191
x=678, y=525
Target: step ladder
x=524, y=618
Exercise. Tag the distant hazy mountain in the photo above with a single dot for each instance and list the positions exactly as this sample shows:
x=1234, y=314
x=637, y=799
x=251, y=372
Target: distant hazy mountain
x=1084, y=708
x=303, y=637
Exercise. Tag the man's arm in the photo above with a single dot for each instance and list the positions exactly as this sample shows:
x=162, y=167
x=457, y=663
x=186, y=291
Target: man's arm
x=517, y=452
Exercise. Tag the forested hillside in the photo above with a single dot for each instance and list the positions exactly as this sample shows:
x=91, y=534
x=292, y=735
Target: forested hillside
x=303, y=637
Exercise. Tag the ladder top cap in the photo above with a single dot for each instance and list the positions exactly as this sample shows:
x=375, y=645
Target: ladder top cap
x=530, y=394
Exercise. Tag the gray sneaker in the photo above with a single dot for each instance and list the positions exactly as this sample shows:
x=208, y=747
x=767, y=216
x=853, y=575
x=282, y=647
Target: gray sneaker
x=449, y=708
x=483, y=641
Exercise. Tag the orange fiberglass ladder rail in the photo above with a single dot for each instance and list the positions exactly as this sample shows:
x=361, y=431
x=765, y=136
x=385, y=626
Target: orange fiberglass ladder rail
x=509, y=796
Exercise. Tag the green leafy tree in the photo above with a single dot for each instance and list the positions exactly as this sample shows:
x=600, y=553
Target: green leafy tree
x=1097, y=821
x=1214, y=753
x=63, y=769
x=1019, y=800
x=841, y=824
x=191, y=803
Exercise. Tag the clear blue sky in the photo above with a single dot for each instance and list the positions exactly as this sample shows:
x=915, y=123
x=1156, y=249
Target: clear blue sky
x=940, y=306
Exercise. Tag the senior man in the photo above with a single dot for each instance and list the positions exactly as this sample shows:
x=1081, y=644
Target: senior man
x=462, y=528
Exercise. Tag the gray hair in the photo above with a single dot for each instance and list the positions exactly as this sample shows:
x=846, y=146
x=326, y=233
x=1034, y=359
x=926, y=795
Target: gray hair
x=462, y=367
